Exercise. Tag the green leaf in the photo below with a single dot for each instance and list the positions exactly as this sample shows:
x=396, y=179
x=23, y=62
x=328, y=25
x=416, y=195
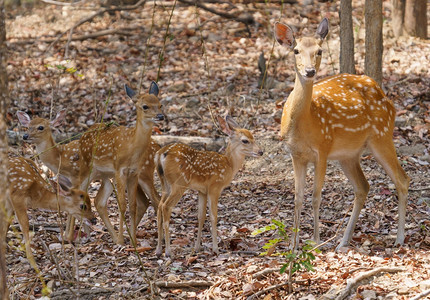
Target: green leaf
x=283, y=268
x=308, y=266
x=279, y=224
x=263, y=229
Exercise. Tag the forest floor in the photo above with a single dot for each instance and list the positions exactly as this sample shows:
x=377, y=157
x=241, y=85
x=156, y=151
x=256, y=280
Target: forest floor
x=212, y=69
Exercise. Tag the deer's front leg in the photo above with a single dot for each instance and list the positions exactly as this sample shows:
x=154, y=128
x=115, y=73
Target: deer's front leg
x=131, y=192
x=320, y=169
x=299, y=191
x=201, y=218
x=213, y=197
x=120, y=180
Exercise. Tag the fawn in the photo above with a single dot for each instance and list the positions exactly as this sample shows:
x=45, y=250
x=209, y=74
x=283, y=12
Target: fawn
x=181, y=167
x=335, y=119
x=29, y=190
x=64, y=159
x=120, y=153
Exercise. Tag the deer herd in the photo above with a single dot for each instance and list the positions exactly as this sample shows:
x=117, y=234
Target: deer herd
x=335, y=118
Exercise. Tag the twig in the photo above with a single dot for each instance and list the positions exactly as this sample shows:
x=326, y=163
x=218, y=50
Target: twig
x=62, y=3
x=161, y=55
x=421, y=295
x=183, y=284
x=54, y=259
x=89, y=18
x=424, y=188
x=273, y=287
x=247, y=20
x=264, y=272
x=351, y=283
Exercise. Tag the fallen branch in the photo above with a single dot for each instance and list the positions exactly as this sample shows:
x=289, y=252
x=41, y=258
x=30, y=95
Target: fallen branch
x=121, y=31
x=62, y=294
x=89, y=18
x=351, y=283
x=195, y=141
x=421, y=295
x=267, y=271
x=247, y=20
x=273, y=287
x=183, y=284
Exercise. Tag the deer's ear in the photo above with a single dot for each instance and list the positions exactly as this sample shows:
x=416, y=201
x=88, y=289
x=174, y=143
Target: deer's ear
x=231, y=122
x=224, y=126
x=153, y=89
x=322, y=29
x=128, y=90
x=284, y=35
x=59, y=118
x=23, y=118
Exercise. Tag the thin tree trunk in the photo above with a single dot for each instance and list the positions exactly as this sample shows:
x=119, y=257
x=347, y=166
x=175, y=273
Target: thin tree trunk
x=4, y=97
x=398, y=16
x=416, y=18
x=346, y=38
x=373, y=58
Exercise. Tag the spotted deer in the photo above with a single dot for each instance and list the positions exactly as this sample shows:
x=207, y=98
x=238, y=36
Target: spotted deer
x=120, y=153
x=335, y=119
x=29, y=190
x=64, y=159
x=181, y=167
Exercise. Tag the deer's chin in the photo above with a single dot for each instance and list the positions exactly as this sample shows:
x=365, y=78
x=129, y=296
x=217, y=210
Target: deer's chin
x=253, y=154
x=308, y=79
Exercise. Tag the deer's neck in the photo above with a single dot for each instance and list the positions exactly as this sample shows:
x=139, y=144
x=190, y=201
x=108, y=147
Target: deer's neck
x=49, y=153
x=46, y=199
x=142, y=134
x=297, y=108
x=235, y=158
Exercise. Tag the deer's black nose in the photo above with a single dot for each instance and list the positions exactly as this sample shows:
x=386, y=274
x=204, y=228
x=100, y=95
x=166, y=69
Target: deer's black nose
x=160, y=117
x=25, y=137
x=310, y=72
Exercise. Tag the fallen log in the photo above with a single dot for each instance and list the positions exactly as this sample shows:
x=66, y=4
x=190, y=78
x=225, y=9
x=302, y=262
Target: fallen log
x=14, y=138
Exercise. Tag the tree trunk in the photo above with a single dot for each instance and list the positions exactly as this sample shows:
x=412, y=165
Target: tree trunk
x=346, y=38
x=4, y=99
x=398, y=16
x=416, y=18
x=373, y=20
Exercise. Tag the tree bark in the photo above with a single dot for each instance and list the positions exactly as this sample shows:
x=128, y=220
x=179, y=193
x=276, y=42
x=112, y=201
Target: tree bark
x=346, y=38
x=416, y=18
x=4, y=100
x=398, y=16
x=374, y=43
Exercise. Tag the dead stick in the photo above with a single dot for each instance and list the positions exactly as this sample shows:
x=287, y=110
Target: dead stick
x=89, y=18
x=168, y=284
x=248, y=20
x=421, y=295
x=351, y=283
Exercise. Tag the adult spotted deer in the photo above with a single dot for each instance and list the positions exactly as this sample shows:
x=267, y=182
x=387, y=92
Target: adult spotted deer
x=181, y=167
x=64, y=159
x=335, y=119
x=29, y=190
x=120, y=153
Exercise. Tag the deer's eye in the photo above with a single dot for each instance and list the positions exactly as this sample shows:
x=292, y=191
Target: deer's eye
x=296, y=51
x=40, y=128
x=145, y=107
x=83, y=207
x=319, y=52
x=245, y=142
